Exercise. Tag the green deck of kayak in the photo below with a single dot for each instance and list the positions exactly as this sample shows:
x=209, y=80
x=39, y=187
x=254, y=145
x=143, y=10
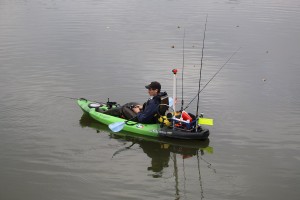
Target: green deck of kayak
x=133, y=127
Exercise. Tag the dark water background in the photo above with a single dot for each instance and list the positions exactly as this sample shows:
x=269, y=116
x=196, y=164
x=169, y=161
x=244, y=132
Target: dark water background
x=98, y=49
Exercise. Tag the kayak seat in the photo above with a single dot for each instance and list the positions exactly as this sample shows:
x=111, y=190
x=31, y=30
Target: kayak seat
x=164, y=104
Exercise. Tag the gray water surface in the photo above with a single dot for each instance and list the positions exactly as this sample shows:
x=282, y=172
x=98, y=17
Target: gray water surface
x=111, y=49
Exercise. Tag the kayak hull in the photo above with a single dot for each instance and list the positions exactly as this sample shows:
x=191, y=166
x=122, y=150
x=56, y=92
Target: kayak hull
x=179, y=134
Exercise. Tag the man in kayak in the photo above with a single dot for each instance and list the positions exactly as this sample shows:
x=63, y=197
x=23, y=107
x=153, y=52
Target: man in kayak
x=141, y=113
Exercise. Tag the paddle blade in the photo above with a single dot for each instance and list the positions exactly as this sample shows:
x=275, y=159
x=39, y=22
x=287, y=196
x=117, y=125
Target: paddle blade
x=117, y=126
x=206, y=121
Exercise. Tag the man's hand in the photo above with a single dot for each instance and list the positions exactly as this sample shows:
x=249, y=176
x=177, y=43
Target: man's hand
x=137, y=108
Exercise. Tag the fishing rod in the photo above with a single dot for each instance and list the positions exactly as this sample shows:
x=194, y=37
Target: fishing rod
x=184, y=178
x=182, y=69
x=201, y=67
x=176, y=175
x=213, y=77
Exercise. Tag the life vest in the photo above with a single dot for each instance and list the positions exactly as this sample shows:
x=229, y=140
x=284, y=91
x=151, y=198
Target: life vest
x=164, y=120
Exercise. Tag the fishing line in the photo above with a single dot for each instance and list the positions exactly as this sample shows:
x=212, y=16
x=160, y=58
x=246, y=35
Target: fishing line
x=201, y=66
x=209, y=165
x=68, y=97
x=184, y=178
x=73, y=98
x=212, y=78
x=123, y=149
x=200, y=179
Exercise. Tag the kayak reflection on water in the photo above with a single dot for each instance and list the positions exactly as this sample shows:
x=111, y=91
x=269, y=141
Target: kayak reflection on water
x=158, y=149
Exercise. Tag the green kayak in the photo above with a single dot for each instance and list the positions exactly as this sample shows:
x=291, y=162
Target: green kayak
x=95, y=110
x=182, y=145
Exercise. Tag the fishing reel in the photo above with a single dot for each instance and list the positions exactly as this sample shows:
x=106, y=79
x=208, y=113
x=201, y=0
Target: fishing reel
x=111, y=104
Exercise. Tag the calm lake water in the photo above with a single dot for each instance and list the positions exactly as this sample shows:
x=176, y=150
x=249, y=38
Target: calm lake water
x=101, y=49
